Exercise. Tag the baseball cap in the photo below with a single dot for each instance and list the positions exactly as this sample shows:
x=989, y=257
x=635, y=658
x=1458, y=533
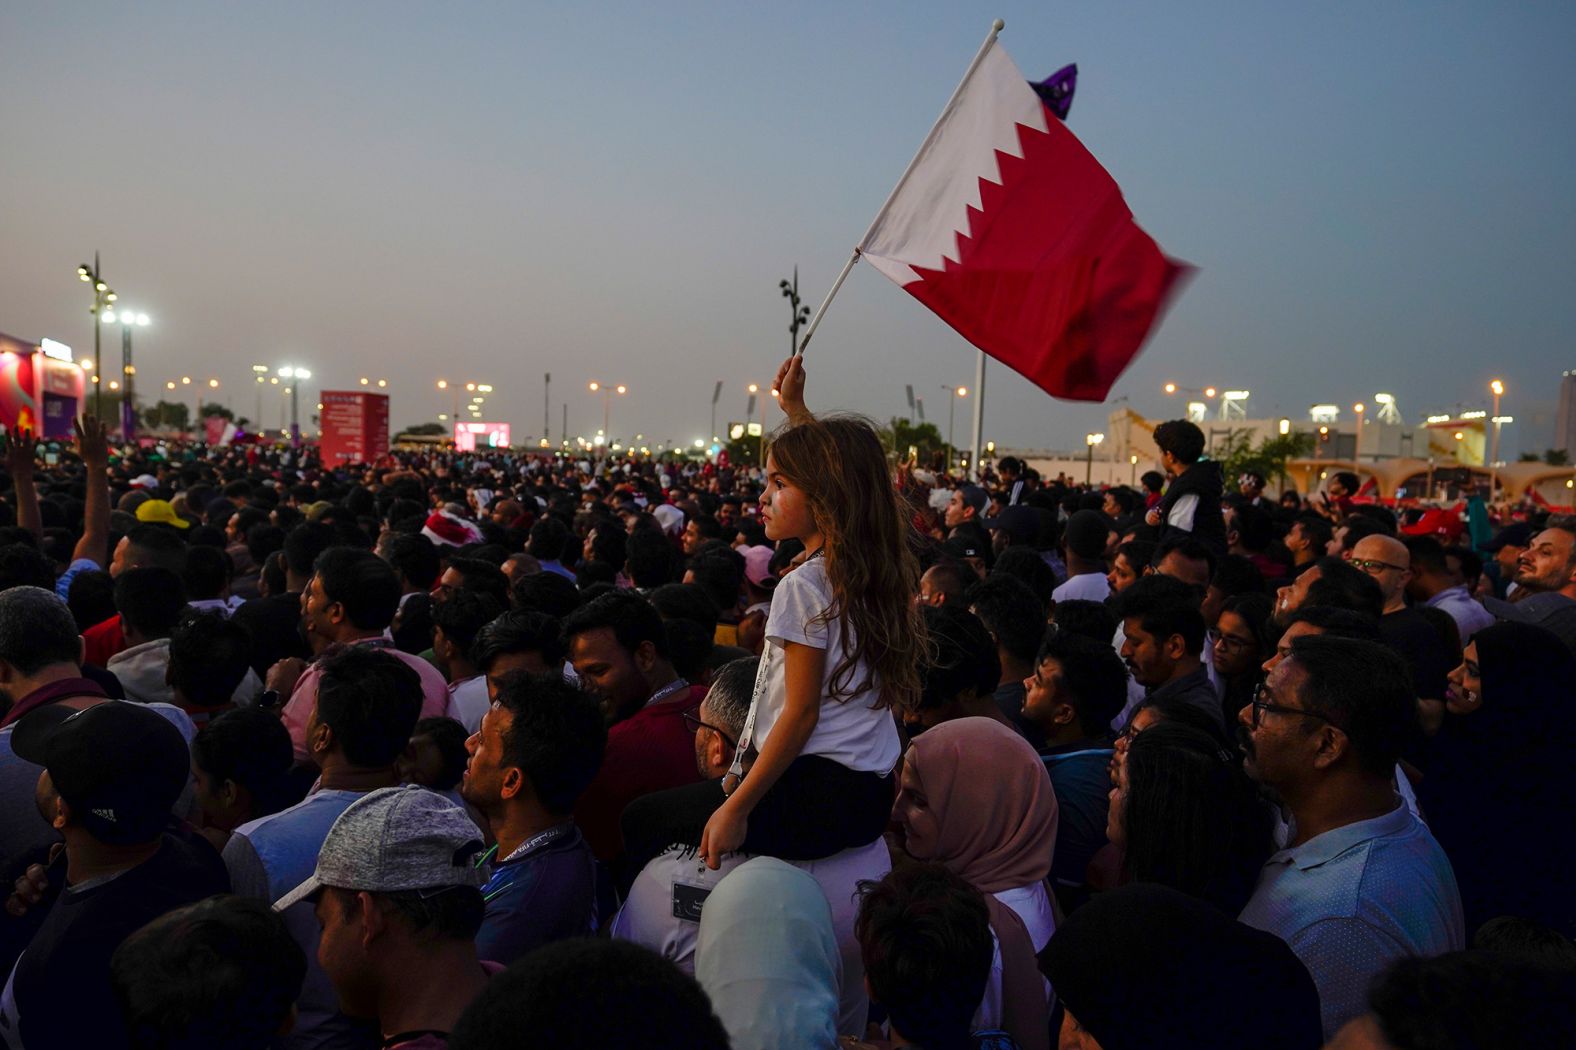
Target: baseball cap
x=1516, y=534
x=160, y=512
x=758, y=567
x=120, y=765
x=976, y=497
x=1550, y=610
x=395, y=839
x=144, y=481
x=963, y=546
x=1019, y=522
x=1446, y=524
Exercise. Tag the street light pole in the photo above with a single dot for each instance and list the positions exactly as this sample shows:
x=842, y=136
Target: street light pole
x=103, y=298
x=952, y=404
x=1091, y=440
x=1497, y=388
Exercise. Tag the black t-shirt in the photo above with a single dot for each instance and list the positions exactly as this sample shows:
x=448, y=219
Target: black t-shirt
x=59, y=993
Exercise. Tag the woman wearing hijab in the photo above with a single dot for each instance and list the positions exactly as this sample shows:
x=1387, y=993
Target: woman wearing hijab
x=767, y=957
x=1500, y=788
x=1146, y=966
x=976, y=797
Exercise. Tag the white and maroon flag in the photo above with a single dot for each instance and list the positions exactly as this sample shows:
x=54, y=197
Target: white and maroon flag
x=1009, y=229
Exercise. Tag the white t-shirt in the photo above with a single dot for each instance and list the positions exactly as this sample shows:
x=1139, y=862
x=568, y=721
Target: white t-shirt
x=662, y=911
x=1086, y=586
x=850, y=731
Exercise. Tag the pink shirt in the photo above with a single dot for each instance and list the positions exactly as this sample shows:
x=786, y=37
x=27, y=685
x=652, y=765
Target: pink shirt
x=434, y=695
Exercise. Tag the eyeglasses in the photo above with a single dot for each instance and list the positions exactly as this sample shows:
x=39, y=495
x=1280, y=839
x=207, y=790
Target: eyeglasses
x=693, y=723
x=1260, y=705
x=1374, y=568
x=1232, y=644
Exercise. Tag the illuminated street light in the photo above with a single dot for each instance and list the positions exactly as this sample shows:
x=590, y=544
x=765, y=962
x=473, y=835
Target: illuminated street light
x=952, y=402
x=102, y=298
x=298, y=373
x=1091, y=440
x=607, y=400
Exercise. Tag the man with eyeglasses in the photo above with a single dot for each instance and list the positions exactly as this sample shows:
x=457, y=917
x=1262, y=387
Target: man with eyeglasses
x=663, y=904
x=1406, y=629
x=1361, y=881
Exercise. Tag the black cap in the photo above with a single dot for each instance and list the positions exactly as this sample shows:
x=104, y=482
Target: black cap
x=1019, y=522
x=120, y=765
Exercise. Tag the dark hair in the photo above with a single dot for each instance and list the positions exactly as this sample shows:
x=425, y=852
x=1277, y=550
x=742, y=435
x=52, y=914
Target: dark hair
x=707, y=527
x=1152, y=480
x=25, y=566
x=1256, y=610
x=1192, y=818
x=222, y=972
x=209, y=656
x=1359, y=527
x=250, y=746
x=1026, y=565
x=157, y=546
x=1255, y=528
x=207, y=573
x=518, y=631
x=1188, y=547
x=414, y=557
x=1183, y=439
x=303, y=545
x=1363, y=689
x=588, y=991
x=1318, y=529
x=952, y=579
x=1082, y=616
x=1470, y=999
x=1333, y=620
x=1139, y=553
x=463, y=616
x=1428, y=554
x=362, y=582
x=1518, y=936
x=1093, y=676
x=1348, y=479
x=925, y=937
x=1164, y=606
x=482, y=576
x=631, y=618
x=1011, y=612
x=556, y=739
x=963, y=657
x=449, y=737
x=720, y=570
x=91, y=597
x=1183, y=712
x=651, y=558
x=1237, y=575
x=371, y=701
x=546, y=592
x=685, y=601
x=547, y=540
x=1345, y=586
x=150, y=600
x=273, y=573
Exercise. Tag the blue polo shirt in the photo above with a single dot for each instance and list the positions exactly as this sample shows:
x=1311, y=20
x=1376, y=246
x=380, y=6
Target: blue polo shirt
x=1353, y=900
x=545, y=891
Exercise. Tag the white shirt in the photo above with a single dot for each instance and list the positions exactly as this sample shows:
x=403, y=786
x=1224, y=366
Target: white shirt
x=662, y=910
x=851, y=730
x=468, y=702
x=1182, y=512
x=1033, y=905
x=1086, y=586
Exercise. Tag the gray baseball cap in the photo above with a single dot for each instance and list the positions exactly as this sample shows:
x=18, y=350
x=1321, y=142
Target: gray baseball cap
x=394, y=839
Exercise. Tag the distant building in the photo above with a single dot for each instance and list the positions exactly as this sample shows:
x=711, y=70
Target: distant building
x=1565, y=420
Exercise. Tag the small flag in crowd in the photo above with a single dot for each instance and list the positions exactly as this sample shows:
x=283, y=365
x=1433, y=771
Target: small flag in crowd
x=1010, y=230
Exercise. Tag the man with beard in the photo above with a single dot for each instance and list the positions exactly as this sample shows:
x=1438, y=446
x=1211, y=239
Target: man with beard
x=539, y=746
x=1163, y=634
x=618, y=647
x=1546, y=583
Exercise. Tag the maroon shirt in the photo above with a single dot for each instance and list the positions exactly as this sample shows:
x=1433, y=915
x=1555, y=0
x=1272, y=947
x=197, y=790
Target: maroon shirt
x=652, y=750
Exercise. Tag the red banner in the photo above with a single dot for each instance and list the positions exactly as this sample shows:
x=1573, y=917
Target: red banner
x=355, y=427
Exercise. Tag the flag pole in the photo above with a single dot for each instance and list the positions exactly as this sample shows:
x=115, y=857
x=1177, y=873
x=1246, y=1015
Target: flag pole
x=979, y=415
x=990, y=38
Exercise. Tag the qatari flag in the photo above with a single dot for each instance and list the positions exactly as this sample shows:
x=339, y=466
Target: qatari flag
x=1010, y=230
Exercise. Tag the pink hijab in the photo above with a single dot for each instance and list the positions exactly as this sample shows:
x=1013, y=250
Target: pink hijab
x=977, y=798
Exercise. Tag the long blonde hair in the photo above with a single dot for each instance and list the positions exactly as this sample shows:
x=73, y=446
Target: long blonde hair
x=840, y=466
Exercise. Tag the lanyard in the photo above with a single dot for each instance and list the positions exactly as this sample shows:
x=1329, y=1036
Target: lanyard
x=736, y=771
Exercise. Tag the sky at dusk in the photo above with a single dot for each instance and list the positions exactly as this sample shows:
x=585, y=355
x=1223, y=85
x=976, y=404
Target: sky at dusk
x=1379, y=197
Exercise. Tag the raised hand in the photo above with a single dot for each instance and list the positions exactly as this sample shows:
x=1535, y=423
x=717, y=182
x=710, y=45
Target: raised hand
x=20, y=452
x=92, y=441
x=789, y=385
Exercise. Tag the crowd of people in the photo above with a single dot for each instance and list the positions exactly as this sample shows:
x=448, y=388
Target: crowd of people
x=501, y=750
